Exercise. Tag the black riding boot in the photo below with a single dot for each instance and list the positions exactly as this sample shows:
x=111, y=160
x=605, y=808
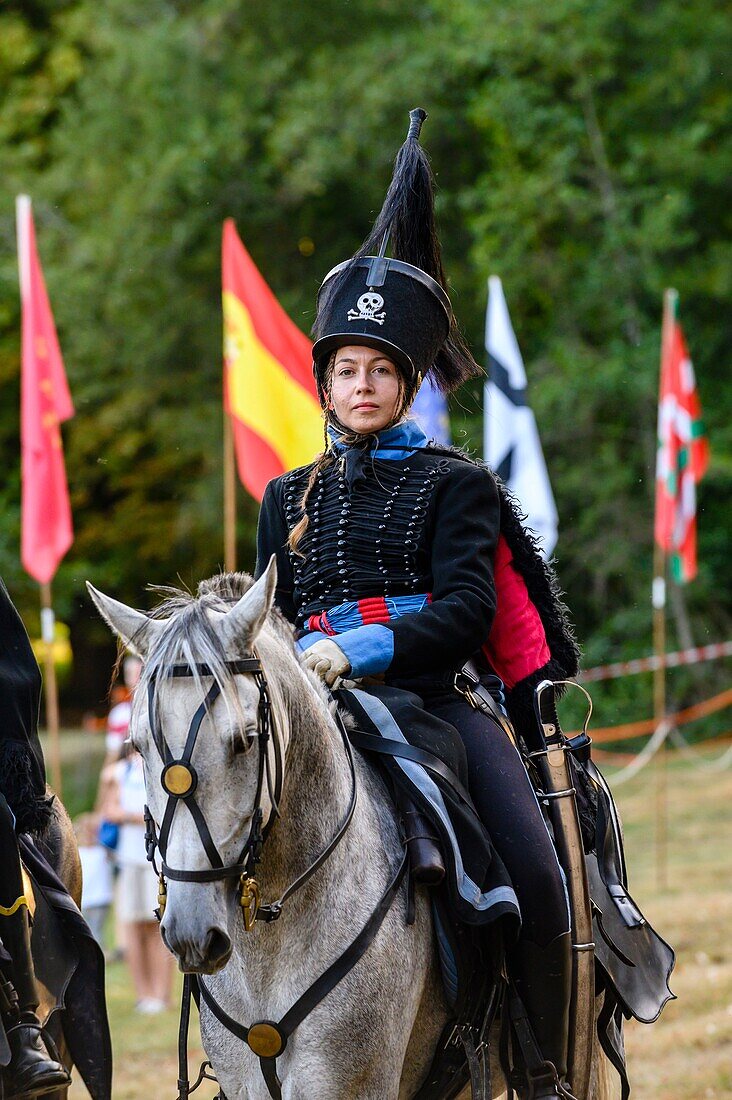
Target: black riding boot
x=542, y=976
x=32, y=1071
x=425, y=857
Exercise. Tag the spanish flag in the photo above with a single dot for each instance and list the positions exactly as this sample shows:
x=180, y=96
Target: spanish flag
x=269, y=390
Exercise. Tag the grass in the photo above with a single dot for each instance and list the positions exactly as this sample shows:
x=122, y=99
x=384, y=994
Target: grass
x=81, y=760
x=145, y=1047
x=687, y=1053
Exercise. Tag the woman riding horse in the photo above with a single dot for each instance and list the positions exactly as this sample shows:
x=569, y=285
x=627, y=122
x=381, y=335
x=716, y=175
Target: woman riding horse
x=31, y=1071
x=387, y=555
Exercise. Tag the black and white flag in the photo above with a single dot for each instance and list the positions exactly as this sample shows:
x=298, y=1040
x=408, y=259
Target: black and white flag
x=511, y=444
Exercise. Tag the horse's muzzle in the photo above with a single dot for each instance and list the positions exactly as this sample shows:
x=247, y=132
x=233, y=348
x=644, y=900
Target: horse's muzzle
x=206, y=954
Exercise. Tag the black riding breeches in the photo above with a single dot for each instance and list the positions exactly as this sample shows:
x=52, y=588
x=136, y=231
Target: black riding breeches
x=507, y=806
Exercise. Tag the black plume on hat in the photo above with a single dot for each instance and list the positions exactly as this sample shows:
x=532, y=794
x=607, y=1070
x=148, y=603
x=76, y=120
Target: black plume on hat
x=407, y=218
x=416, y=326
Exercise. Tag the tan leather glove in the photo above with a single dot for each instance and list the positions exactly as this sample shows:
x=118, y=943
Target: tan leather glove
x=327, y=660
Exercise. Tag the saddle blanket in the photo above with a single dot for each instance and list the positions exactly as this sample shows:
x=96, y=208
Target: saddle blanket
x=478, y=887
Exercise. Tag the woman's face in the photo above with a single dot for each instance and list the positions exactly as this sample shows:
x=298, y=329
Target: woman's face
x=365, y=390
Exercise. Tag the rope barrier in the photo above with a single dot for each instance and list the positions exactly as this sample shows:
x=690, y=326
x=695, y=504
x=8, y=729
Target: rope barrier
x=692, y=656
x=717, y=765
x=667, y=729
x=696, y=758
x=644, y=756
x=610, y=756
x=629, y=730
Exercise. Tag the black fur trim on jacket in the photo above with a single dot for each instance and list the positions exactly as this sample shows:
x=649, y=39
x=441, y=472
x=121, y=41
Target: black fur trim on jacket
x=545, y=593
x=31, y=809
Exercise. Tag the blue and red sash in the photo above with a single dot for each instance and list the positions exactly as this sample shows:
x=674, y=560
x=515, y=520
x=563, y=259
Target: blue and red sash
x=374, y=609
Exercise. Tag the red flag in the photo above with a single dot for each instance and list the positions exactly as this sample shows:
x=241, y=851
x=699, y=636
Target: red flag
x=269, y=389
x=683, y=453
x=45, y=402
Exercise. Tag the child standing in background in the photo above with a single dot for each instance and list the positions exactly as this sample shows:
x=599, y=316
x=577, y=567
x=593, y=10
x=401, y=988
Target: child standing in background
x=97, y=885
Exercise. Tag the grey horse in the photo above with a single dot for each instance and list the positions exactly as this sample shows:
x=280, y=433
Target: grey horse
x=373, y=1036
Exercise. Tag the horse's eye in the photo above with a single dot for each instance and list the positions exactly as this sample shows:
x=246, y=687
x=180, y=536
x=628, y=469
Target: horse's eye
x=243, y=740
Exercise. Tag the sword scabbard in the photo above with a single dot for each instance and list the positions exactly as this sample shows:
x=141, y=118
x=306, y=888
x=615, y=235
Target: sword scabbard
x=553, y=765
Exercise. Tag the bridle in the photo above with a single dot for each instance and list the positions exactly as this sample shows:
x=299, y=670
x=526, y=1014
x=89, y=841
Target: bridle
x=266, y=1038
x=179, y=780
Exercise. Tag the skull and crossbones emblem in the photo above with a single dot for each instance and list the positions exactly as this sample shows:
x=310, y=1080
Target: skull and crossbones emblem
x=368, y=306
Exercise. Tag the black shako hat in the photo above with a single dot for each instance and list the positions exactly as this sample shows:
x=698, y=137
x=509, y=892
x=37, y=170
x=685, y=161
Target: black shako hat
x=397, y=304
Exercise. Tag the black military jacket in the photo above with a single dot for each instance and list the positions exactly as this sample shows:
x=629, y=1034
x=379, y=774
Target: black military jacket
x=424, y=523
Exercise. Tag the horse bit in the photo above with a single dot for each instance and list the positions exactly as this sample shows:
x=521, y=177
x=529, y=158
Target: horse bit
x=179, y=780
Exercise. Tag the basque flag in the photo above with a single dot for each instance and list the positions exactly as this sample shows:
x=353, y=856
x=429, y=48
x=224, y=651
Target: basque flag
x=683, y=453
x=269, y=390
x=45, y=401
x=511, y=444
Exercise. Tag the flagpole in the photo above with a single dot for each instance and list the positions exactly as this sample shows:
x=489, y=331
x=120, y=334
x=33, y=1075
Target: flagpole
x=229, y=496
x=48, y=632
x=670, y=299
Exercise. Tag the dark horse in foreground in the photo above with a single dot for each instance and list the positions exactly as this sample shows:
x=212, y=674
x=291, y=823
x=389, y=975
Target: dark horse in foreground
x=52, y=1008
x=68, y=965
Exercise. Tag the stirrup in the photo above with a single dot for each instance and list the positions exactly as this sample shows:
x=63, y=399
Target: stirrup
x=545, y=1084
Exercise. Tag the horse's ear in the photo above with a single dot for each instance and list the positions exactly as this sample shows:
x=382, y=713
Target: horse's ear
x=246, y=618
x=134, y=628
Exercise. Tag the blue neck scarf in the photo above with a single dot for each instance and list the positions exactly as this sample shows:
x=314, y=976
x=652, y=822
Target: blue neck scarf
x=392, y=444
x=404, y=438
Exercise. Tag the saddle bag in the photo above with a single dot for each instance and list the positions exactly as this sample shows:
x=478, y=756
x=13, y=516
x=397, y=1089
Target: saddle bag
x=636, y=960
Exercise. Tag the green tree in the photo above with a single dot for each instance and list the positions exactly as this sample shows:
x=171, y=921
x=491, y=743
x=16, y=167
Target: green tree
x=580, y=151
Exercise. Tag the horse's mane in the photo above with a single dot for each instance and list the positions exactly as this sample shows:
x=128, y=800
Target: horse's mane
x=230, y=587
x=190, y=637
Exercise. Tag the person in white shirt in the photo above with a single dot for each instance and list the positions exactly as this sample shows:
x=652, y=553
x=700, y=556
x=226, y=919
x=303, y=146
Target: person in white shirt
x=118, y=719
x=151, y=965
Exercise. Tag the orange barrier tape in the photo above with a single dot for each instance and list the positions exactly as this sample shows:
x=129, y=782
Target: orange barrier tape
x=648, y=725
x=605, y=756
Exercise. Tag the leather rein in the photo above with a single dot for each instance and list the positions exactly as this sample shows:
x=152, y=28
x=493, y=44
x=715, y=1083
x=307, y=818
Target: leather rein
x=179, y=780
